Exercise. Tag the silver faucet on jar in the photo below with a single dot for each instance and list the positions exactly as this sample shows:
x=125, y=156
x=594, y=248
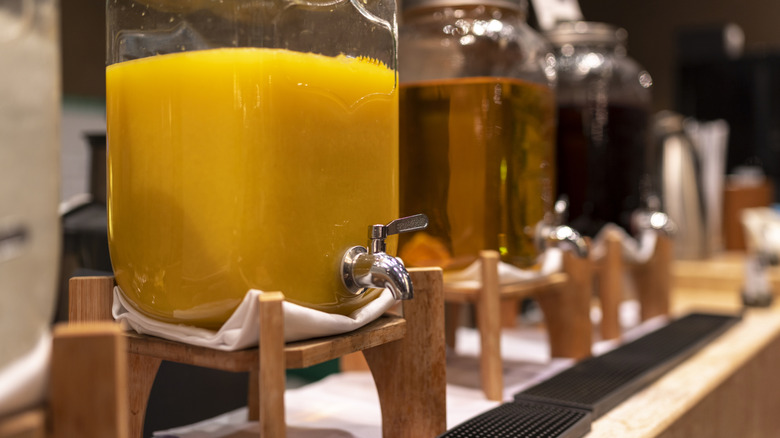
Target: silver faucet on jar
x=366, y=268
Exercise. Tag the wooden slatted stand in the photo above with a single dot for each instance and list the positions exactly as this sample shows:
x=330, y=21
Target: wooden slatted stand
x=609, y=278
x=30, y=423
x=88, y=384
x=87, y=387
x=563, y=297
x=406, y=355
x=652, y=280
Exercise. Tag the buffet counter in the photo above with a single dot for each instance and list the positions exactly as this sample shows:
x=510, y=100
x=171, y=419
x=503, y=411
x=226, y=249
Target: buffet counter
x=729, y=388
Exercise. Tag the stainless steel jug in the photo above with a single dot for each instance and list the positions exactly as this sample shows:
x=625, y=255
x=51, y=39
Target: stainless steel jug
x=674, y=177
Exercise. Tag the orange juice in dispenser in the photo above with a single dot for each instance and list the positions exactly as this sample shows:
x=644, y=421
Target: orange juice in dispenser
x=250, y=146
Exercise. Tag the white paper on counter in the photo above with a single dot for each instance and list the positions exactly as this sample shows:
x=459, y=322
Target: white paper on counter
x=346, y=405
x=241, y=329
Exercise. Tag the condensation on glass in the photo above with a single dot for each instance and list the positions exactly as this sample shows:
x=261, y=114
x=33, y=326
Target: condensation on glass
x=250, y=144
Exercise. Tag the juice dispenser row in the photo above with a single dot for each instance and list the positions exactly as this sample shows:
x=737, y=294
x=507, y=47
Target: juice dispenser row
x=252, y=145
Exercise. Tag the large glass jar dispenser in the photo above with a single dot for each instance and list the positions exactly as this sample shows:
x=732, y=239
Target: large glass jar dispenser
x=477, y=130
x=29, y=196
x=250, y=145
x=604, y=102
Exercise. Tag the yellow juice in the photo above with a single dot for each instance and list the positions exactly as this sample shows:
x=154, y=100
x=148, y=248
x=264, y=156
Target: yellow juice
x=232, y=169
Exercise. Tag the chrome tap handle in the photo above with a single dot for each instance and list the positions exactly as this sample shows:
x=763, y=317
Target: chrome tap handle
x=657, y=221
x=553, y=231
x=378, y=233
x=363, y=269
x=561, y=209
x=406, y=224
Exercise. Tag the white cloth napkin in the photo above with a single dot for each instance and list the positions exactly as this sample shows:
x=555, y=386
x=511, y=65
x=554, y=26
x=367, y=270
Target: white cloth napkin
x=636, y=251
x=471, y=277
x=241, y=329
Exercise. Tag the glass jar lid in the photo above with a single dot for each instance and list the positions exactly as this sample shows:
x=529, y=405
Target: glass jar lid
x=585, y=32
x=408, y=5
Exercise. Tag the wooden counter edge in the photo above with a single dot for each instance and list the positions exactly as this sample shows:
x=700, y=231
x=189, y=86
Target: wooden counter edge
x=656, y=408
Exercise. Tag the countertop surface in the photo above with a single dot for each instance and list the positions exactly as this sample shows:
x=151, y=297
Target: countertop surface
x=651, y=411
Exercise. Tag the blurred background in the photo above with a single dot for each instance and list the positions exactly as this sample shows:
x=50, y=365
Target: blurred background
x=685, y=80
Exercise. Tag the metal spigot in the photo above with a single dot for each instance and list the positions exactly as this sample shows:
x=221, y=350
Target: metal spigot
x=552, y=231
x=366, y=268
x=652, y=218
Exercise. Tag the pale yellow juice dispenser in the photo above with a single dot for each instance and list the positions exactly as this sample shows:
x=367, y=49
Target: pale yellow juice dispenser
x=477, y=131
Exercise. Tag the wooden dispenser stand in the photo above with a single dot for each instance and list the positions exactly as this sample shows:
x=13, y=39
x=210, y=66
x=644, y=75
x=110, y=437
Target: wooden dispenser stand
x=406, y=355
x=87, y=387
x=564, y=298
x=652, y=279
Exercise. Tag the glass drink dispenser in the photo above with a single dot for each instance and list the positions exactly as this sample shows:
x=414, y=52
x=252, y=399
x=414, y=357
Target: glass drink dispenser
x=250, y=145
x=29, y=190
x=477, y=130
x=604, y=102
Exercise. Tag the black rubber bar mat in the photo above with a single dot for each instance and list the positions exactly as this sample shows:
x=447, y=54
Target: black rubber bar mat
x=520, y=419
x=599, y=383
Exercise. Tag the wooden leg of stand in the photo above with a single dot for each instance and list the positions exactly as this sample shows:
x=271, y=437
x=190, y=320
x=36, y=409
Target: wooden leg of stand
x=580, y=272
x=566, y=310
x=489, y=324
x=271, y=376
x=410, y=374
x=653, y=280
x=452, y=316
x=143, y=370
x=509, y=310
x=28, y=424
x=611, y=287
x=353, y=362
x=90, y=299
x=88, y=385
x=253, y=395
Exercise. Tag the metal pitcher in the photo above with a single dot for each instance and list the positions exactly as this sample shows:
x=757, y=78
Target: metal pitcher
x=674, y=172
